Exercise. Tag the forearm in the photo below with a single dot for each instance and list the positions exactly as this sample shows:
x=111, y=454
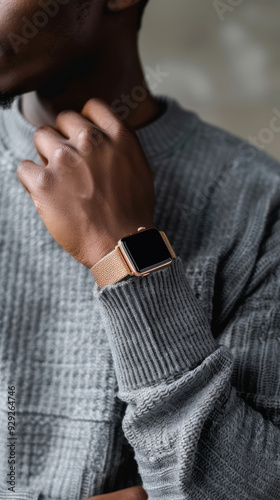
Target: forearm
x=190, y=431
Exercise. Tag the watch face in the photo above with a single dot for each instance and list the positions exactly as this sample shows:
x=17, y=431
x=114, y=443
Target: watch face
x=146, y=250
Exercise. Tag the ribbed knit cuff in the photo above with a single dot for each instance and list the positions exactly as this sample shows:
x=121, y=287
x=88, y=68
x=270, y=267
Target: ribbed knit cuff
x=155, y=325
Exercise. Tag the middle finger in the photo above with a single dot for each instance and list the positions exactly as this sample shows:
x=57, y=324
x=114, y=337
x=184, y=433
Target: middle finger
x=78, y=129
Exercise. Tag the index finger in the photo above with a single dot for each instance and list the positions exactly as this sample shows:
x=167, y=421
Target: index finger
x=102, y=115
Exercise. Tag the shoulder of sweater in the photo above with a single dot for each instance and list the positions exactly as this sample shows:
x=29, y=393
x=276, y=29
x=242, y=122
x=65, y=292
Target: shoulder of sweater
x=225, y=147
x=211, y=156
x=239, y=176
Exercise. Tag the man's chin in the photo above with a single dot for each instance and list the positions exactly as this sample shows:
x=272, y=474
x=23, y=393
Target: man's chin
x=7, y=99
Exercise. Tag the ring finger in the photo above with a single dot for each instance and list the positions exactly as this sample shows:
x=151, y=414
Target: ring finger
x=46, y=140
x=79, y=130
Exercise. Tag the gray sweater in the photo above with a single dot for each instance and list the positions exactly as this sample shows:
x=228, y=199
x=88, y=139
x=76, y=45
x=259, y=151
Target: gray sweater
x=171, y=380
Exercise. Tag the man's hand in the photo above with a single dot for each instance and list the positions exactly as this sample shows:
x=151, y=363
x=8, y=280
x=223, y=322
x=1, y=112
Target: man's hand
x=135, y=493
x=95, y=185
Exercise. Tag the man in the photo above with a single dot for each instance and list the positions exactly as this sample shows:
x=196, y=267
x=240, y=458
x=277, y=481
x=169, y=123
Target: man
x=150, y=368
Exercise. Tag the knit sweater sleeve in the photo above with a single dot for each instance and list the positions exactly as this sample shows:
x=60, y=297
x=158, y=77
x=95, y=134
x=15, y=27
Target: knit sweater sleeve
x=193, y=435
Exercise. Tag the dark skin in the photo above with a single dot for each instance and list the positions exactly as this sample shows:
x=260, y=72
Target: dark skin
x=94, y=185
x=103, y=44
x=135, y=493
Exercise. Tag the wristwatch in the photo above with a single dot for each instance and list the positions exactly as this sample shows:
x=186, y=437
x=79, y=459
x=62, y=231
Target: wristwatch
x=137, y=254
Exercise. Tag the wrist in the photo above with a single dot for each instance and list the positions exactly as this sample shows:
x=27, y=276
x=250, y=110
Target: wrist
x=95, y=252
x=136, y=254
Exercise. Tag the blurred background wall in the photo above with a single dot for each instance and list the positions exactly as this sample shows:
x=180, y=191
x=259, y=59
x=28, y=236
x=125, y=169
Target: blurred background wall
x=220, y=59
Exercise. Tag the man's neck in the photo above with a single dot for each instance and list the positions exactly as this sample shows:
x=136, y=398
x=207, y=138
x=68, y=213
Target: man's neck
x=121, y=84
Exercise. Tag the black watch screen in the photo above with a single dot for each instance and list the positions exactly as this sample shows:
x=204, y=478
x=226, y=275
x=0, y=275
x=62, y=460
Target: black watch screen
x=146, y=250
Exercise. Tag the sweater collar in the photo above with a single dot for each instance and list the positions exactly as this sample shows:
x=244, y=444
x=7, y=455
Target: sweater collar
x=156, y=138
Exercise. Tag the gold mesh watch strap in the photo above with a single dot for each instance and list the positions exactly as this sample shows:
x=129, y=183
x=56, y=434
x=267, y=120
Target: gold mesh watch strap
x=110, y=269
x=113, y=267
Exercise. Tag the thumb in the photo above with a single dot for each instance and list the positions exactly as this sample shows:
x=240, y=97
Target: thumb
x=28, y=172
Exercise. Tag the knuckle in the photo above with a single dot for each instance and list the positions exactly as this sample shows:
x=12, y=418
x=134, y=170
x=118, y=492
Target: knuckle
x=62, y=155
x=45, y=179
x=98, y=100
x=21, y=166
x=92, y=102
x=88, y=137
x=40, y=131
x=85, y=135
x=65, y=114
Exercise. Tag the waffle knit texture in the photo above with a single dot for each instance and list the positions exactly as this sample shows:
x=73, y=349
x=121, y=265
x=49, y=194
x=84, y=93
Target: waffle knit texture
x=171, y=380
